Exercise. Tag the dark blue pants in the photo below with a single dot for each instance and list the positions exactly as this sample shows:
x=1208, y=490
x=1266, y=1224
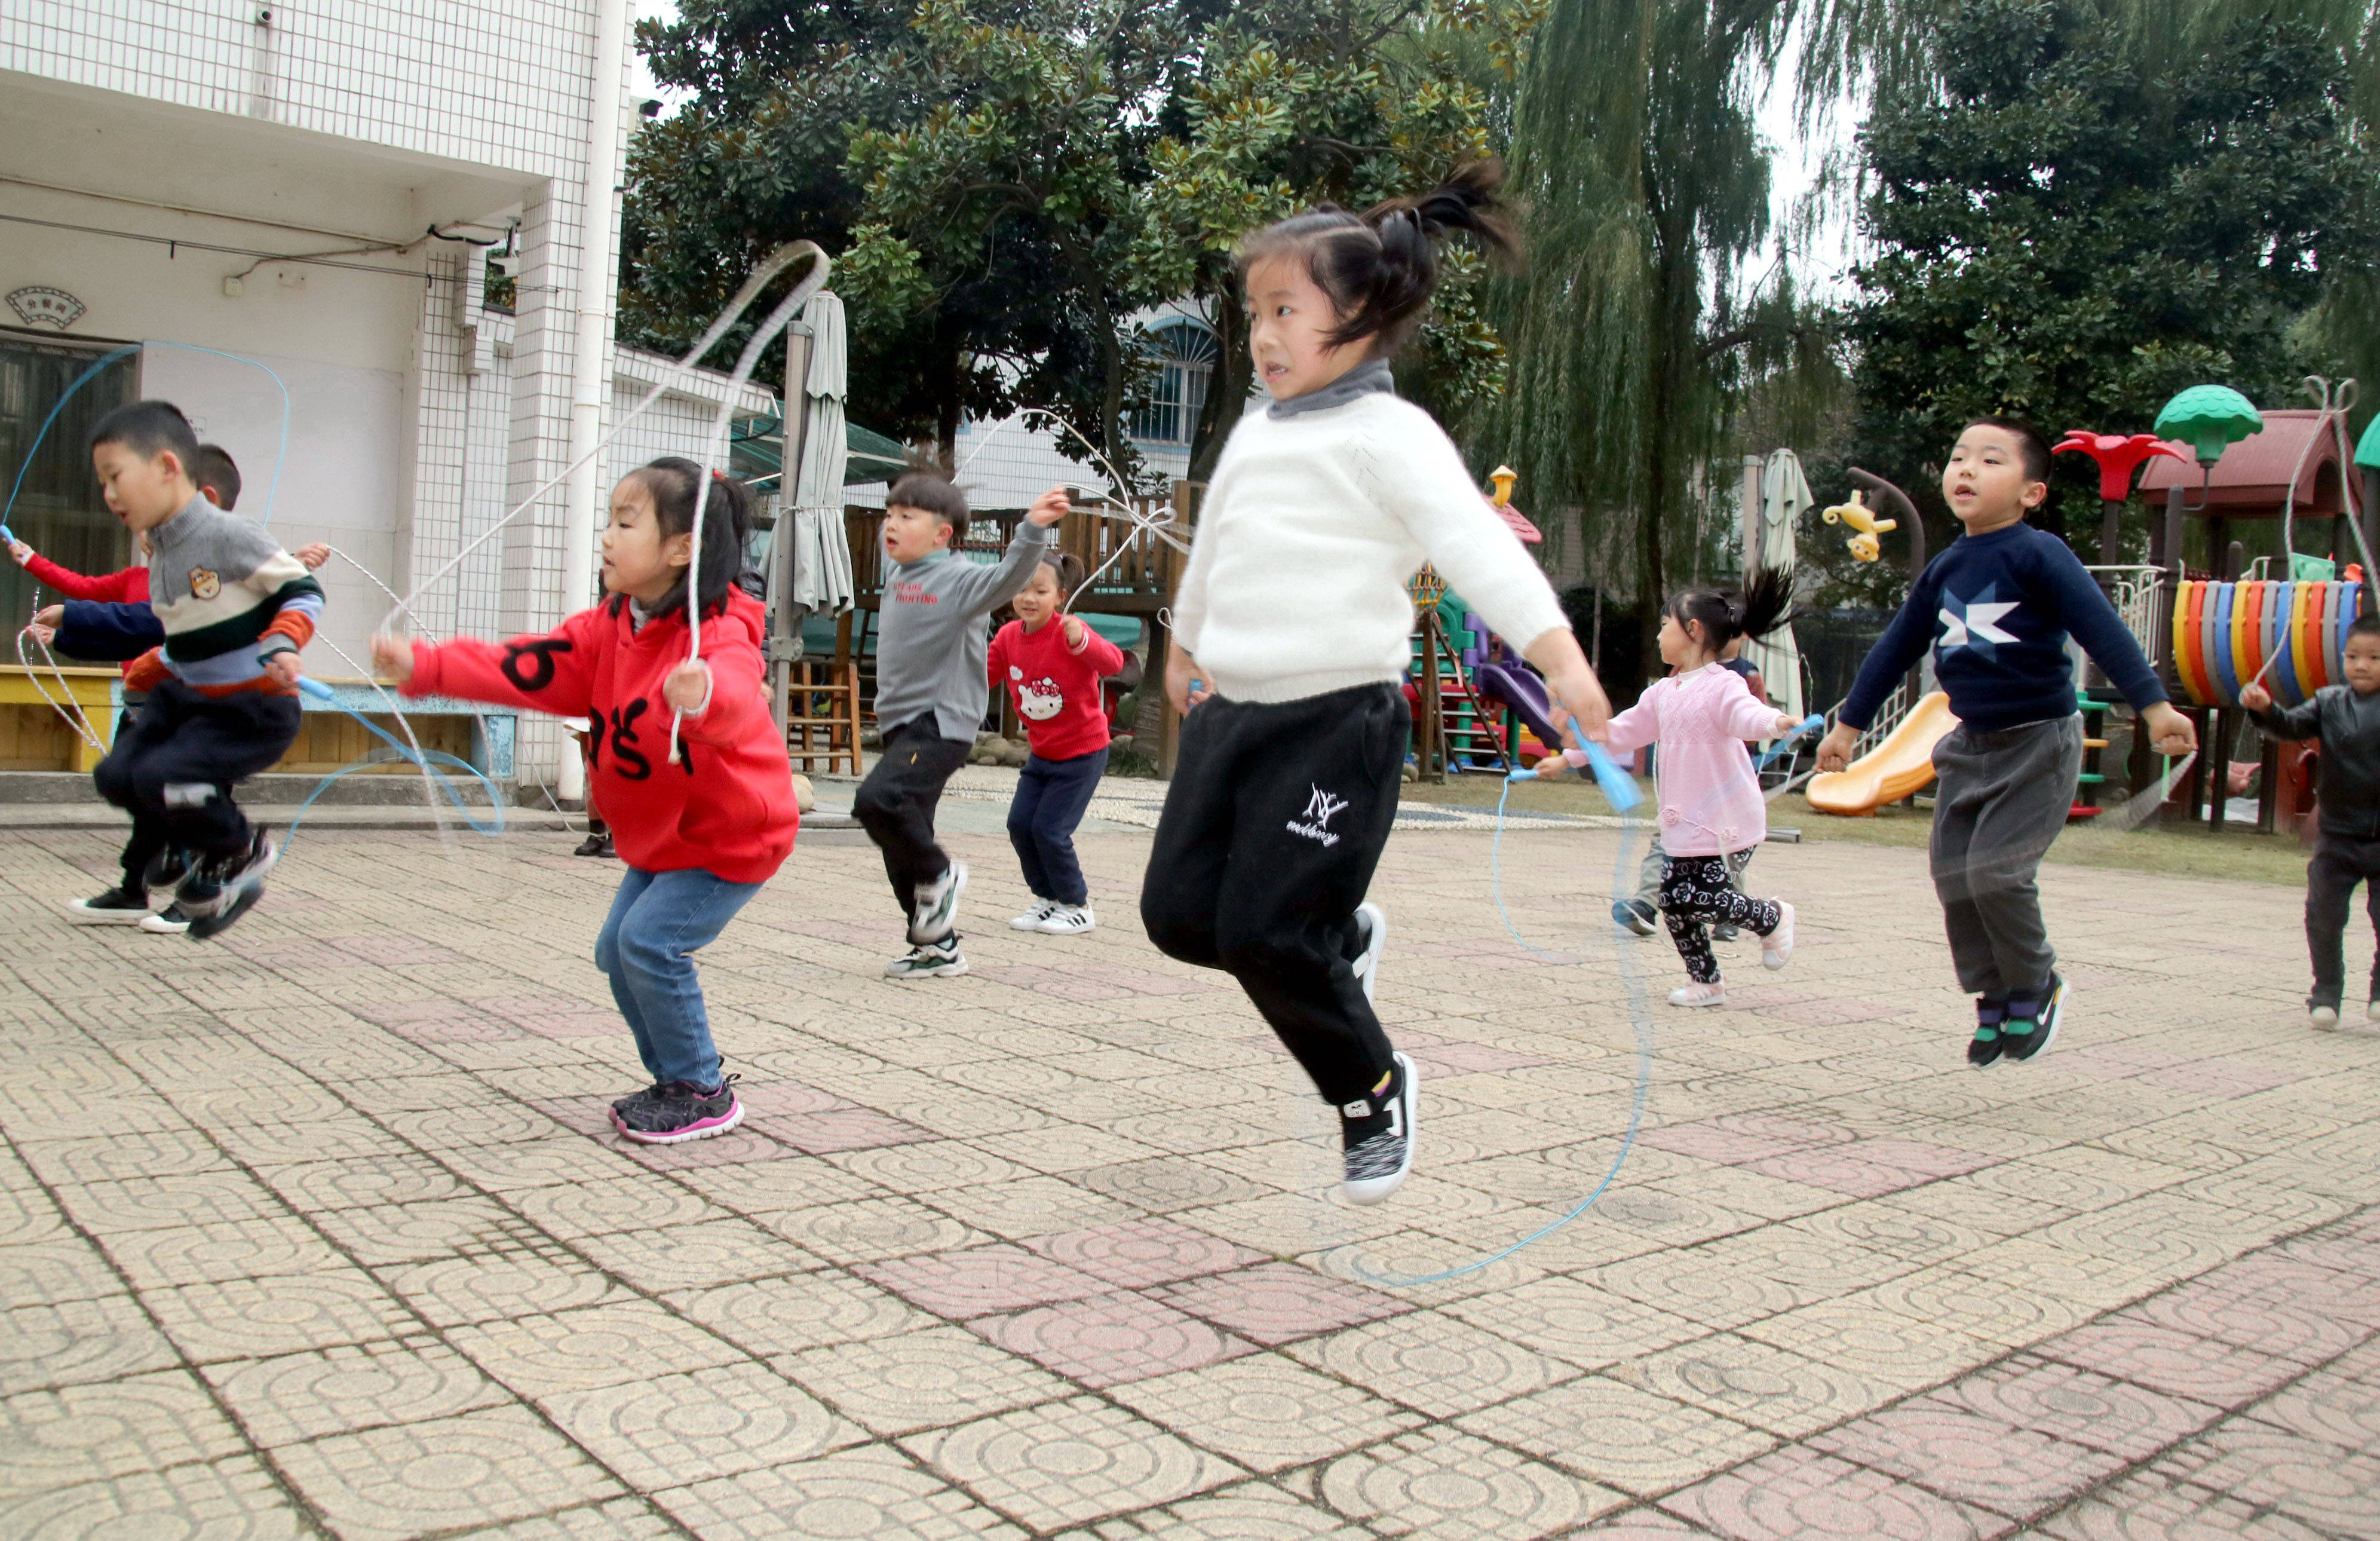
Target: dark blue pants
x=1051, y=797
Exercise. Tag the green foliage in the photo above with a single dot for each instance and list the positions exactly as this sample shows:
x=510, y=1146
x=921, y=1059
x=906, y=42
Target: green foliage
x=2077, y=223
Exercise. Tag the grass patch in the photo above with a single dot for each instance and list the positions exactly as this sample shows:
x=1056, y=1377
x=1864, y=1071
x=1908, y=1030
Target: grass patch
x=2174, y=851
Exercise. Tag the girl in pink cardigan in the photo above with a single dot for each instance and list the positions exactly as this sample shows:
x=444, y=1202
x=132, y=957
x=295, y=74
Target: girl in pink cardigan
x=1710, y=800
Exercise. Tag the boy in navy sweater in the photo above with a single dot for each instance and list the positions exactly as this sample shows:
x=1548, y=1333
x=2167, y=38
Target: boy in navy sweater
x=1996, y=609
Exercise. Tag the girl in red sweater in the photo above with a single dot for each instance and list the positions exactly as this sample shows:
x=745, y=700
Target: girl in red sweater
x=700, y=835
x=1052, y=669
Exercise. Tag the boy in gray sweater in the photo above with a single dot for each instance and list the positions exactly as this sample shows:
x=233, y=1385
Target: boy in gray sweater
x=931, y=690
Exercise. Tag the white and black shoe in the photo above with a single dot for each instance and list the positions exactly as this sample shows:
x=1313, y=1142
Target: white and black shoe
x=938, y=907
x=2020, y=1046
x=928, y=960
x=1068, y=921
x=171, y=921
x=1372, y=925
x=1378, y=1135
x=215, y=884
x=118, y=906
x=1031, y=919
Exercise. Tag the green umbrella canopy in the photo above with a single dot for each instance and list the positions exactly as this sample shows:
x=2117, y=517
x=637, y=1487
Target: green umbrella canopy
x=2367, y=450
x=753, y=451
x=2209, y=418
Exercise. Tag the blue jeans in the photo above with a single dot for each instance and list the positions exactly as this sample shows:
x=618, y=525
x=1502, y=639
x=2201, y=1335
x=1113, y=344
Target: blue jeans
x=1051, y=797
x=658, y=919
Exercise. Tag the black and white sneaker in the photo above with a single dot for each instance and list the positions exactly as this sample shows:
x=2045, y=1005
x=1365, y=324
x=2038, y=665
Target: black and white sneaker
x=2020, y=1045
x=118, y=906
x=243, y=899
x=214, y=883
x=167, y=869
x=1068, y=921
x=1377, y=1133
x=938, y=907
x=595, y=844
x=1031, y=919
x=171, y=921
x=928, y=960
x=677, y=1113
x=1634, y=914
x=1372, y=926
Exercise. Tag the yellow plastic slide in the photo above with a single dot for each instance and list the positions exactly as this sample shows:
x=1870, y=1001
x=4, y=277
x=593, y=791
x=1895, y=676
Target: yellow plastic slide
x=1891, y=770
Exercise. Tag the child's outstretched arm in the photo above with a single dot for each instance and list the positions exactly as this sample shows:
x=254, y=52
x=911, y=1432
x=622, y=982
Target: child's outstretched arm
x=553, y=672
x=2094, y=624
x=980, y=590
x=1895, y=653
x=2301, y=720
x=107, y=588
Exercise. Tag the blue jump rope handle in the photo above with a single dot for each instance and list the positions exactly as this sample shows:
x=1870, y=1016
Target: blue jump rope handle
x=6, y=534
x=1620, y=788
x=316, y=688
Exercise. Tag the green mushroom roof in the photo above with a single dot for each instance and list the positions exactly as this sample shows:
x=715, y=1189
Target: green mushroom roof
x=2367, y=449
x=2209, y=417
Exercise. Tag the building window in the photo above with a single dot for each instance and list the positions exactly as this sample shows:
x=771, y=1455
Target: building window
x=58, y=509
x=1187, y=353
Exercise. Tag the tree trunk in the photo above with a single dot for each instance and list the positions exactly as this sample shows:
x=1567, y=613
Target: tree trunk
x=1226, y=393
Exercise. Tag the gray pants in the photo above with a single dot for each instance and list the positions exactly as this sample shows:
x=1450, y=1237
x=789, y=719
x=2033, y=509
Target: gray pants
x=2001, y=800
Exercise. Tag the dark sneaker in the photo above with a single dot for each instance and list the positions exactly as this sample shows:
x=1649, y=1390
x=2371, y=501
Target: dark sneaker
x=927, y=961
x=214, y=883
x=2030, y=1039
x=1987, y=1045
x=1634, y=914
x=118, y=906
x=243, y=899
x=1378, y=1135
x=1725, y=933
x=938, y=907
x=635, y=1098
x=166, y=868
x=594, y=845
x=1372, y=925
x=677, y=1113
x=171, y=921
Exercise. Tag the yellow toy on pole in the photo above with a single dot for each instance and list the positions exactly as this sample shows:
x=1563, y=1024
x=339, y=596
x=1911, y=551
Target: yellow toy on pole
x=1864, y=546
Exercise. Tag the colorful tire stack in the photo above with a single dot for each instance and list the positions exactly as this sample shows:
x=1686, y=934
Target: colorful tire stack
x=2224, y=634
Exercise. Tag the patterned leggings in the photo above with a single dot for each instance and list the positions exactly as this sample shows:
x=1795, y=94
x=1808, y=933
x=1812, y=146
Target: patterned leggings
x=1694, y=892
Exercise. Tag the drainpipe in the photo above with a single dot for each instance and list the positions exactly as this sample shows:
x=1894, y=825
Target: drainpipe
x=598, y=286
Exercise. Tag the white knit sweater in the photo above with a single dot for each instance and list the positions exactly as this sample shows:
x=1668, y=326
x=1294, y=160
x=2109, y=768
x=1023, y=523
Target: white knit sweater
x=1309, y=532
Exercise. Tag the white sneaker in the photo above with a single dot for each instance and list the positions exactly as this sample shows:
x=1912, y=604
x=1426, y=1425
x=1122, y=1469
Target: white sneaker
x=167, y=922
x=1375, y=922
x=2372, y=1013
x=1777, y=945
x=1377, y=1167
x=1031, y=919
x=938, y=906
x=1068, y=921
x=927, y=960
x=1699, y=995
x=2324, y=1018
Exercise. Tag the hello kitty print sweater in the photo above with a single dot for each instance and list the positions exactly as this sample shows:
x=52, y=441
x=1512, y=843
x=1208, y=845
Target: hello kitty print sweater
x=1056, y=688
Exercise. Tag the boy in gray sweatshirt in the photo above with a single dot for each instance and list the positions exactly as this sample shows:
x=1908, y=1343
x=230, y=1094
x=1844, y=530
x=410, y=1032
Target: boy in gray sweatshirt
x=931, y=691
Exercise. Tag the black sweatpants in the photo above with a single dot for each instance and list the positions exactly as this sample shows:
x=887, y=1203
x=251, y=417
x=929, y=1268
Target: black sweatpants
x=148, y=838
x=896, y=804
x=1272, y=827
x=174, y=767
x=1698, y=889
x=2340, y=861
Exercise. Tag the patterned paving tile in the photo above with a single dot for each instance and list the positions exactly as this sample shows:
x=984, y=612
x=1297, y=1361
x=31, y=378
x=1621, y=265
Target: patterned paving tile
x=981, y=1280
x=1067, y=1461
x=390, y=1484
x=2329, y=1407
x=82, y=1434
x=1434, y=1362
x=1975, y=1459
x=804, y=1311
x=1576, y=1322
x=677, y=1429
x=1799, y=1493
x=918, y=1380
x=1274, y=1303
x=2332, y=1489
x=344, y=1391
x=249, y=1318
x=2146, y=1506
x=1137, y=1254
x=2163, y=1359
x=2077, y=1405
x=1108, y=1339
x=498, y=1285
x=1754, y=1383
x=233, y=1498
x=1618, y=1435
x=1445, y=1483
x=1265, y=1411
x=600, y=1345
x=866, y=1494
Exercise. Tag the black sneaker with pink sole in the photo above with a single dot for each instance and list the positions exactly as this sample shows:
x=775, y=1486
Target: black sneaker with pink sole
x=675, y=1112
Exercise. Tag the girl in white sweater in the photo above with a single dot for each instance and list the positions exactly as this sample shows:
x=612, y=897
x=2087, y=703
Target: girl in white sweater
x=1290, y=647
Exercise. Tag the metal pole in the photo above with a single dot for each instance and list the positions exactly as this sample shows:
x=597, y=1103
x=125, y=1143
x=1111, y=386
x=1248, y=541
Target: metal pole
x=784, y=636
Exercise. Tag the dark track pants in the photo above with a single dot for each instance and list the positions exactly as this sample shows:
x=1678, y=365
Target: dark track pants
x=1272, y=827
x=174, y=768
x=896, y=804
x=1051, y=797
x=2339, y=863
x=2001, y=799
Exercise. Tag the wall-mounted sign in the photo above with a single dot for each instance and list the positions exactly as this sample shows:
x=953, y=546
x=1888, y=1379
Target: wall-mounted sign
x=39, y=305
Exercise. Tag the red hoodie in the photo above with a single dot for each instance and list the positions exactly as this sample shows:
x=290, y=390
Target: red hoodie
x=128, y=587
x=1056, y=690
x=727, y=808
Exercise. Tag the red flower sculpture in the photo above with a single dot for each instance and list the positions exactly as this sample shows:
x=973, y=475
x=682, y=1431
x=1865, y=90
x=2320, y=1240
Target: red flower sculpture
x=2117, y=457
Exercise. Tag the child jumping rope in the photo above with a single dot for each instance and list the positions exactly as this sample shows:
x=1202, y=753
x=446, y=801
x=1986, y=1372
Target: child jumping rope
x=1290, y=647
x=1712, y=815
x=698, y=836
x=1052, y=673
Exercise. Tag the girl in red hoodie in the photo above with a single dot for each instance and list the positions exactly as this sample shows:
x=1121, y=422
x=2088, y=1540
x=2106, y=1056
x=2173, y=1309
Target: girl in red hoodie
x=1051, y=669
x=699, y=835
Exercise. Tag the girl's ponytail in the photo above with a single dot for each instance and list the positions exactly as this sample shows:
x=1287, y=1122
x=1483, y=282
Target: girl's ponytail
x=1381, y=268
x=1765, y=603
x=675, y=482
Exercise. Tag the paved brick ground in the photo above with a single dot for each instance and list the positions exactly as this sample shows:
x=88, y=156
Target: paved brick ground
x=315, y=1231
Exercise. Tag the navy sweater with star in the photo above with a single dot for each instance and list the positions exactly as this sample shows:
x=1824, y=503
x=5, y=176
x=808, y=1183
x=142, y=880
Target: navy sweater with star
x=1996, y=609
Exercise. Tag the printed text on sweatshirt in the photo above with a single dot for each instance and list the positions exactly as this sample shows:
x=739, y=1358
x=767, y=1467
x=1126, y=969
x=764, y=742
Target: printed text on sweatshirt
x=1996, y=609
x=1308, y=534
x=726, y=806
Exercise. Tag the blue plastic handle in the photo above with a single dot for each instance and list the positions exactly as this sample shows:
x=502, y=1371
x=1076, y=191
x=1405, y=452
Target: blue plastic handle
x=316, y=688
x=1620, y=788
x=7, y=535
